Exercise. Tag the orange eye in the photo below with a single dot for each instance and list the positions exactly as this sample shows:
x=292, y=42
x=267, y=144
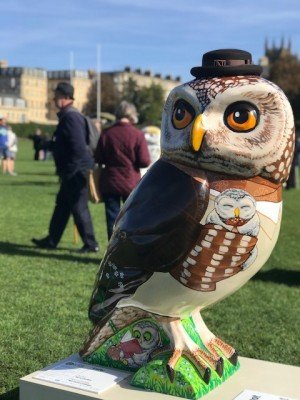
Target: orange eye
x=182, y=115
x=241, y=117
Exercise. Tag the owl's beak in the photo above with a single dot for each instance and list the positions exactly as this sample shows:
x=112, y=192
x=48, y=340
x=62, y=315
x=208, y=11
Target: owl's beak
x=198, y=133
x=236, y=212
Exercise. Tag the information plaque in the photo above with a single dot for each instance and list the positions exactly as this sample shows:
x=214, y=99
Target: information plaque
x=251, y=395
x=76, y=374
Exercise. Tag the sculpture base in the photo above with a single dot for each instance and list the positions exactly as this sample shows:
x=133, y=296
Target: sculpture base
x=277, y=379
x=126, y=350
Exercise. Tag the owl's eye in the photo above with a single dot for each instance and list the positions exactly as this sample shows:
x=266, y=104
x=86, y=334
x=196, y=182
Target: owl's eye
x=182, y=115
x=227, y=206
x=147, y=336
x=136, y=334
x=241, y=117
x=245, y=208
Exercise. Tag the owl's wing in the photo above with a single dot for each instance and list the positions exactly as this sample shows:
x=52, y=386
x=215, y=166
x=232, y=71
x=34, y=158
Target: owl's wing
x=154, y=231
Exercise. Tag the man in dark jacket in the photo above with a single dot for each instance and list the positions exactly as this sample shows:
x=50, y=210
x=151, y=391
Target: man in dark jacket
x=73, y=161
x=122, y=150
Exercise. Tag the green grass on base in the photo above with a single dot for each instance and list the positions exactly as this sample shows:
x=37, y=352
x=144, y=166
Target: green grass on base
x=44, y=294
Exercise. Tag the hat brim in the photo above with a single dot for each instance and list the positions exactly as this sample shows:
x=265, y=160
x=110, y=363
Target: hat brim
x=211, y=72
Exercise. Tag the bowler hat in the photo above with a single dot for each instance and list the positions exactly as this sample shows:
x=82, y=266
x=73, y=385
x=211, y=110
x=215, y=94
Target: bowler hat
x=226, y=62
x=66, y=89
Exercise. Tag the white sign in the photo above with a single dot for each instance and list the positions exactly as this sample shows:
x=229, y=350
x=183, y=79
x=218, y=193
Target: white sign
x=250, y=395
x=79, y=375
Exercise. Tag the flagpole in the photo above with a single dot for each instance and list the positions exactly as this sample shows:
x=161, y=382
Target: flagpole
x=99, y=83
x=71, y=66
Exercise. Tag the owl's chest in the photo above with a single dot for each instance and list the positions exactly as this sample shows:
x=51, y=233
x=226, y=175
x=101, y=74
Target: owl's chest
x=231, y=240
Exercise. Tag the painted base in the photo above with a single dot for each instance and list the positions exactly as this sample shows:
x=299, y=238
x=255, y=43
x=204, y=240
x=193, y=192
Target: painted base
x=151, y=374
x=187, y=382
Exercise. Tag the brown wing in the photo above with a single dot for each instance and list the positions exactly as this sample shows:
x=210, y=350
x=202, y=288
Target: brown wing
x=216, y=255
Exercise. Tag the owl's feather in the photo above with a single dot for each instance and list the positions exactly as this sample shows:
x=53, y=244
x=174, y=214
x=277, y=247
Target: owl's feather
x=153, y=233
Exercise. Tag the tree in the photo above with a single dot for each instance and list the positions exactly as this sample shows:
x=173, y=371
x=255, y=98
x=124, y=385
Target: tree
x=131, y=92
x=151, y=104
x=149, y=101
x=285, y=72
x=109, y=97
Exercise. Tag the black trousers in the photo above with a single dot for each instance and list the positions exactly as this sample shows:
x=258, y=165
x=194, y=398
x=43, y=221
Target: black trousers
x=72, y=198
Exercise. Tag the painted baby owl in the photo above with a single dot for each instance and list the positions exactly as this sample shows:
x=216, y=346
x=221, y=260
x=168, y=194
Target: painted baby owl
x=206, y=216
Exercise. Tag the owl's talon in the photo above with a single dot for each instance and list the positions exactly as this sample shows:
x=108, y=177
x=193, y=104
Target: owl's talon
x=172, y=363
x=234, y=358
x=170, y=372
x=203, y=370
x=199, y=363
x=220, y=367
x=207, y=375
x=229, y=352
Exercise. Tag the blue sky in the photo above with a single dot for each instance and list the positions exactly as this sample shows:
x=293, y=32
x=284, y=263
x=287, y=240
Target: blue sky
x=165, y=36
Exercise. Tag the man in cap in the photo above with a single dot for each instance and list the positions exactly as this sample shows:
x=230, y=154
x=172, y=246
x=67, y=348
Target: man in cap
x=73, y=161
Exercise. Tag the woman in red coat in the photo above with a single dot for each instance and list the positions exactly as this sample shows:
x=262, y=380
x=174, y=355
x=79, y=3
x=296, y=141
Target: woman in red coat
x=122, y=150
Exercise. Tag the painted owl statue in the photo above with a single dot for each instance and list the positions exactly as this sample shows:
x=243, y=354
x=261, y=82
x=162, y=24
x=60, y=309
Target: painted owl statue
x=202, y=221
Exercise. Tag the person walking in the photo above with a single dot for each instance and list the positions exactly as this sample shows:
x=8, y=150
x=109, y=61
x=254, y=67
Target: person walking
x=37, y=139
x=3, y=143
x=73, y=162
x=12, y=148
x=122, y=150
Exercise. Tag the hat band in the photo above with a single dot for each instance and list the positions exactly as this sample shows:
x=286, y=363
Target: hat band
x=226, y=63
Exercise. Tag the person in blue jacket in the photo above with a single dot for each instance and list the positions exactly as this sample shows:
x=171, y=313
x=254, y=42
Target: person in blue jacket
x=73, y=161
x=3, y=143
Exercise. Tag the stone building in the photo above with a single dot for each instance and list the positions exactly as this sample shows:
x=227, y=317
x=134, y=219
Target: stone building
x=81, y=80
x=23, y=93
x=143, y=78
x=26, y=94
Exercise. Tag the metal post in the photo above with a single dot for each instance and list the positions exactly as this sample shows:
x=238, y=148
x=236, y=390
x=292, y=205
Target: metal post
x=99, y=83
x=71, y=66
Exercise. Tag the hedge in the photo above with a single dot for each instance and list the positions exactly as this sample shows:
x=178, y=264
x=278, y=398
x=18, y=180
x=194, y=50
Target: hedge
x=25, y=130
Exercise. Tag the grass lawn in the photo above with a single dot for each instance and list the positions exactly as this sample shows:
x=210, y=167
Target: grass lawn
x=44, y=294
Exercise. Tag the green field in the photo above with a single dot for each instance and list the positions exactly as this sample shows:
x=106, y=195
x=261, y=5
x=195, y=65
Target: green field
x=44, y=294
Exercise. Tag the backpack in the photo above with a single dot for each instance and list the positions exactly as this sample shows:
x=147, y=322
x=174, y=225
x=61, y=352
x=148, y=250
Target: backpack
x=93, y=135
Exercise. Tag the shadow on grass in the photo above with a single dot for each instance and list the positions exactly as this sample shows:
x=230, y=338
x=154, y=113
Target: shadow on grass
x=276, y=275
x=29, y=183
x=14, y=249
x=11, y=395
x=41, y=173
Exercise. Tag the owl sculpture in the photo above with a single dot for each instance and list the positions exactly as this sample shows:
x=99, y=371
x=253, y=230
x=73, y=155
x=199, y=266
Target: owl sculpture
x=202, y=221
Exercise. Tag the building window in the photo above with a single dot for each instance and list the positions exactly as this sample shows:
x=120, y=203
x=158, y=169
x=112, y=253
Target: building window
x=12, y=83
